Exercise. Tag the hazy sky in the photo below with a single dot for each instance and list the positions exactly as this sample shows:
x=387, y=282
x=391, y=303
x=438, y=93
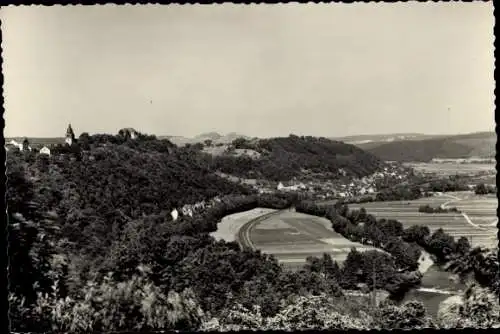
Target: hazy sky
x=260, y=70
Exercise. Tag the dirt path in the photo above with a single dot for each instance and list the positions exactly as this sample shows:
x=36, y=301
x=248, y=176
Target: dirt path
x=466, y=217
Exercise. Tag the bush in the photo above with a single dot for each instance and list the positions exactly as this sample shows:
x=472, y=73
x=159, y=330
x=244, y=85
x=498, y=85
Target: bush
x=428, y=209
x=112, y=306
x=300, y=313
x=476, y=308
x=411, y=315
x=482, y=189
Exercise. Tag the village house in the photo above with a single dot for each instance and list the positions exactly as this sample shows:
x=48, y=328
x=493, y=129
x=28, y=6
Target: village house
x=45, y=150
x=13, y=145
x=174, y=214
x=187, y=210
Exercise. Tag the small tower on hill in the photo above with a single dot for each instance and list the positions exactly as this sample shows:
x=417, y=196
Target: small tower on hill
x=70, y=136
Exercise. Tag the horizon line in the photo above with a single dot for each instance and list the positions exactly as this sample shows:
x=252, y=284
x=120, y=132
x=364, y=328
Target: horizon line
x=277, y=136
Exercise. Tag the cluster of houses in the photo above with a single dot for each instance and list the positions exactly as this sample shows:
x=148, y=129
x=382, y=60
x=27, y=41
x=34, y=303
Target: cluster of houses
x=40, y=148
x=338, y=188
x=69, y=139
x=192, y=209
x=26, y=147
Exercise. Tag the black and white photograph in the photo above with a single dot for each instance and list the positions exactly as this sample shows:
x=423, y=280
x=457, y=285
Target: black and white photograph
x=267, y=167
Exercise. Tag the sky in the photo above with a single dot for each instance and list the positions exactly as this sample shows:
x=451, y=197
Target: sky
x=260, y=70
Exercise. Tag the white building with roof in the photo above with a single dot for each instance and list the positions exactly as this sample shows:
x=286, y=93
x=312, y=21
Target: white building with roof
x=174, y=214
x=45, y=150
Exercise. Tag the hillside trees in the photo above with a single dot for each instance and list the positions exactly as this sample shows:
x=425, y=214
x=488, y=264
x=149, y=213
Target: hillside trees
x=114, y=209
x=284, y=158
x=32, y=236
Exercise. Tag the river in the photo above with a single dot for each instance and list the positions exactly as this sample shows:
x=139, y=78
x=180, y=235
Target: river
x=437, y=284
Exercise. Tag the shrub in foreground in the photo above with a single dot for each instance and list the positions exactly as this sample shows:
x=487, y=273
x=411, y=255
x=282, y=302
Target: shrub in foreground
x=113, y=306
x=477, y=308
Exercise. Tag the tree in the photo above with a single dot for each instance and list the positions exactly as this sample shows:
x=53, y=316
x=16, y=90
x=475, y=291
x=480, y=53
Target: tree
x=481, y=189
x=239, y=143
x=391, y=227
x=441, y=245
x=352, y=269
x=84, y=141
x=208, y=142
x=463, y=245
x=406, y=255
x=416, y=233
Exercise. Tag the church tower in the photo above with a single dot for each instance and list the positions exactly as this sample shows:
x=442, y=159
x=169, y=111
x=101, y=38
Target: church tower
x=26, y=145
x=70, y=136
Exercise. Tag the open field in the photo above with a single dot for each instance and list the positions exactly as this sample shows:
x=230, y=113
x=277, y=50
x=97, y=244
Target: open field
x=293, y=236
x=480, y=209
x=476, y=210
x=229, y=226
x=445, y=169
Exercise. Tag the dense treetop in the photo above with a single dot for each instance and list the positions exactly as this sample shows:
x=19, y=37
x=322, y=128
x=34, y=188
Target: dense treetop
x=287, y=157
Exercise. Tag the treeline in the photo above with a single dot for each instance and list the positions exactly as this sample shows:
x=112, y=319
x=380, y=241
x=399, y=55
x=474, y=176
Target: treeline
x=452, y=183
x=482, y=189
x=399, y=193
x=399, y=268
x=429, y=209
x=405, y=244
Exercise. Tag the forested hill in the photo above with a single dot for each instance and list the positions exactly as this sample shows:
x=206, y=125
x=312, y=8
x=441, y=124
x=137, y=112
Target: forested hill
x=287, y=157
x=137, y=177
x=451, y=147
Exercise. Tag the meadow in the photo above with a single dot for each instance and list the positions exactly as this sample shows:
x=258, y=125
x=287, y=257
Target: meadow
x=476, y=210
x=446, y=169
x=228, y=227
x=292, y=236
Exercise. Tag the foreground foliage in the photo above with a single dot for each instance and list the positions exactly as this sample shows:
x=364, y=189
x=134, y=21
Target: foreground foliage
x=83, y=220
x=477, y=308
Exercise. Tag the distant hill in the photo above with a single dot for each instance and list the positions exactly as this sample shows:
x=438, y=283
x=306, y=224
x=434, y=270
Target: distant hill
x=361, y=139
x=36, y=142
x=481, y=144
x=215, y=137
x=287, y=157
